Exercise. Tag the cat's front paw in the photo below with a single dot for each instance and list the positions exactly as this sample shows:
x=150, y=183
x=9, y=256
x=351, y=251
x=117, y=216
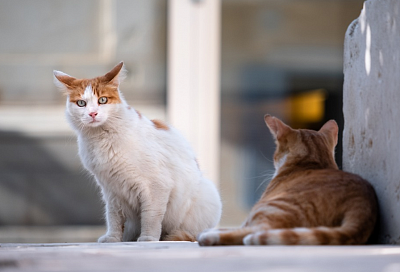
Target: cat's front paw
x=108, y=239
x=209, y=238
x=147, y=239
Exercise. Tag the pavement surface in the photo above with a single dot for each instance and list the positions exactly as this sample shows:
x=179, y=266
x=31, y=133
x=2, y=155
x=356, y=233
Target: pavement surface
x=187, y=256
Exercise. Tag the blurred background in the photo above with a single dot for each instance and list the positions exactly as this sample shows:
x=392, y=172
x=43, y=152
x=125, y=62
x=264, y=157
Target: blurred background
x=282, y=57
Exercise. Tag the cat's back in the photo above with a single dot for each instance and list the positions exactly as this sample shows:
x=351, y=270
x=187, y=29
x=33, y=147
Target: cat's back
x=319, y=197
x=321, y=183
x=154, y=133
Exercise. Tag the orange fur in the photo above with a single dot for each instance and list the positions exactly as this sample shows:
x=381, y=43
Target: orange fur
x=160, y=124
x=179, y=235
x=102, y=86
x=309, y=201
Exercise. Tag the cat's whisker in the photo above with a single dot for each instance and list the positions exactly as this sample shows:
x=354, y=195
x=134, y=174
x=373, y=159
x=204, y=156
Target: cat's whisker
x=264, y=174
x=267, y=159
x=255, y=177
x=268, y=178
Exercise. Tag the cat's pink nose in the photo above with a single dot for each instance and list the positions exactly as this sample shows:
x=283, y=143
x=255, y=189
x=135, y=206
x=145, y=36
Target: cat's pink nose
x=93, y=114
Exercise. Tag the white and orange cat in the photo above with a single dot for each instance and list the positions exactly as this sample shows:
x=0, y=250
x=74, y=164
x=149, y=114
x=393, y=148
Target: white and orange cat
x=150, y=181
x=308, y=201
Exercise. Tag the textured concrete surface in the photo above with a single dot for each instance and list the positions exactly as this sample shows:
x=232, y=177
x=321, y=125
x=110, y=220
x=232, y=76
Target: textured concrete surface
x=371, y=146
x=186, y=256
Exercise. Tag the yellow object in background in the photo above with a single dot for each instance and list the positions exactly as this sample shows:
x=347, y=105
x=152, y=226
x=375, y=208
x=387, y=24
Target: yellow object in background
x=307, y=107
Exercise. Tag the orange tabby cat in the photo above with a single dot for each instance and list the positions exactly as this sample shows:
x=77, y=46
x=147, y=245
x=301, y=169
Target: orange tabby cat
x=308, y=201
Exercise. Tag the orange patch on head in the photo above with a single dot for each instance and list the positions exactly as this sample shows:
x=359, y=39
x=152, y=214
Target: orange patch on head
x=138, y=113
x=102, y=86
x=99, y=88
x=77, y=89
x=160, y=124
x=109, y=91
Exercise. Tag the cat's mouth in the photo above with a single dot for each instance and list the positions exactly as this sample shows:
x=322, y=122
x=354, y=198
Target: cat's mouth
x=94, y=122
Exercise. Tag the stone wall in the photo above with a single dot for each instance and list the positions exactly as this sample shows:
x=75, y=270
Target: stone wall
x=371, y=145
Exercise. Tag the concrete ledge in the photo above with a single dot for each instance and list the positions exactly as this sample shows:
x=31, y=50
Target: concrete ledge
x=50, y=234
x=186, y=256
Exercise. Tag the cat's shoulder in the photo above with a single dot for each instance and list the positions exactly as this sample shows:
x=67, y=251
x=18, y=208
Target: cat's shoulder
x=337, y=177
x=154, y=126
x=322, y=176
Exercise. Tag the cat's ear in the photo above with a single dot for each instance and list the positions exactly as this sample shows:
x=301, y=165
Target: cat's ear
x=331, y=129
x=276, y=126
x=115, y=76
x=63, y=81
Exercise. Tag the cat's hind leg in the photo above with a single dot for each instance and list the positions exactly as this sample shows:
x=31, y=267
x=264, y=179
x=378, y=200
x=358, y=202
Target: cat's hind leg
x=225, y=237
x=179, y=235
x=183, y=235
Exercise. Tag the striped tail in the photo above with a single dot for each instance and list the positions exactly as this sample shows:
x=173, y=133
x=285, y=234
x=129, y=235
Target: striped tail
x=355, y=229
x=308, y=236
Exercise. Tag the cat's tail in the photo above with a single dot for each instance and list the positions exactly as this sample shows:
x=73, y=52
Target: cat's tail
x=296, y=236
x=342, y=235
x=353, y=231
x=180, y=235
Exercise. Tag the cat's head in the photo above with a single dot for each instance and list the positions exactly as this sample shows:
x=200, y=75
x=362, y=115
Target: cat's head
x=90, y=102
x=302, y=147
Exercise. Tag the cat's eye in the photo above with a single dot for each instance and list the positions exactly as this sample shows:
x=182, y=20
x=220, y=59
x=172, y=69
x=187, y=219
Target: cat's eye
x=103, y=100
x=81, y=103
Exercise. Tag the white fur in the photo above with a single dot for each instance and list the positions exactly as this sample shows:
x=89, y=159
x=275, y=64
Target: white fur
x=252, y=239
x=60, y=85
x=209, y=238
x=273, y=238
x=248, y=240
x=148, y=177
x=279, y=164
